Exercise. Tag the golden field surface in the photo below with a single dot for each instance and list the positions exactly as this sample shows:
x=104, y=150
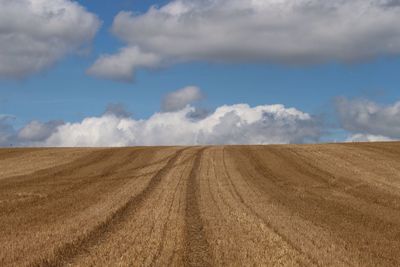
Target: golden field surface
x=290, y=205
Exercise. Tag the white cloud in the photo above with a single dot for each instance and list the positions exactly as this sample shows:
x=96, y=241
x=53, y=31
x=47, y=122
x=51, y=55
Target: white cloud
x=34, y=34
x=364, y=121
x=283, y=31
x=37, y=131
x=368, y=138
x=236, y=124
x=122, y=65
x=179, y=99
x=368, y=118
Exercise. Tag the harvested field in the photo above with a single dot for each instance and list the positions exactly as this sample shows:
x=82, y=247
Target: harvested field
x=293, y=205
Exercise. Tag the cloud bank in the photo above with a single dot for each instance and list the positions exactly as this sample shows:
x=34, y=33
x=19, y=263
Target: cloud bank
x=184, y=124
x=277, y=31
x=369, y=121
x=235, y=124
x=35, y=34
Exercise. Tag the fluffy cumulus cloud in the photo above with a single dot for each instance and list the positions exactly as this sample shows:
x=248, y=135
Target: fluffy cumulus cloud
x=181, y=98
x=369, y=121
x=122, y=65
x=179, y=122
x=236, y=124
x=283, y=31
x=34, y=34
x=34, y=133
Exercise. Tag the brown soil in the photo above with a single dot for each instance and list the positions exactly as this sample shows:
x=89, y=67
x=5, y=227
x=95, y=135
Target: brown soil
x=293, y=205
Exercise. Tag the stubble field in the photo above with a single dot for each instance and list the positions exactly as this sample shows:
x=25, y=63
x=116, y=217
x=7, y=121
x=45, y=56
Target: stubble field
x=294, y=205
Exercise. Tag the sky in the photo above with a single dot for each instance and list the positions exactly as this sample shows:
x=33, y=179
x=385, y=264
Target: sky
x=188, y=72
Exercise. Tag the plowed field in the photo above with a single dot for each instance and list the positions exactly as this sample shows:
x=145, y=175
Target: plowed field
x=291, y=205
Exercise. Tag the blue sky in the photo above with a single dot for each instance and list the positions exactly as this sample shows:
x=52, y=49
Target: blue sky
x=65, y=91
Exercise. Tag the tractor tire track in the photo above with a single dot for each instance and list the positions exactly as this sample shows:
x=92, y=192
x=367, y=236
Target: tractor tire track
x=368, y=194
x=165, y=226
x=196, y=246
x=87, y=181
x=261, y=218
x=66, y=253
x=65, y=169
x=292, y=205
x=319, y=215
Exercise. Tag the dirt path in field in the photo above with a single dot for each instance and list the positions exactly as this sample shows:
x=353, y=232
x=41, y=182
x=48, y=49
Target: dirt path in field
x=295, y=205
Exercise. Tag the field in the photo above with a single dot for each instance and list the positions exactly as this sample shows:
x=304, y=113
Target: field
x=294, y=205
